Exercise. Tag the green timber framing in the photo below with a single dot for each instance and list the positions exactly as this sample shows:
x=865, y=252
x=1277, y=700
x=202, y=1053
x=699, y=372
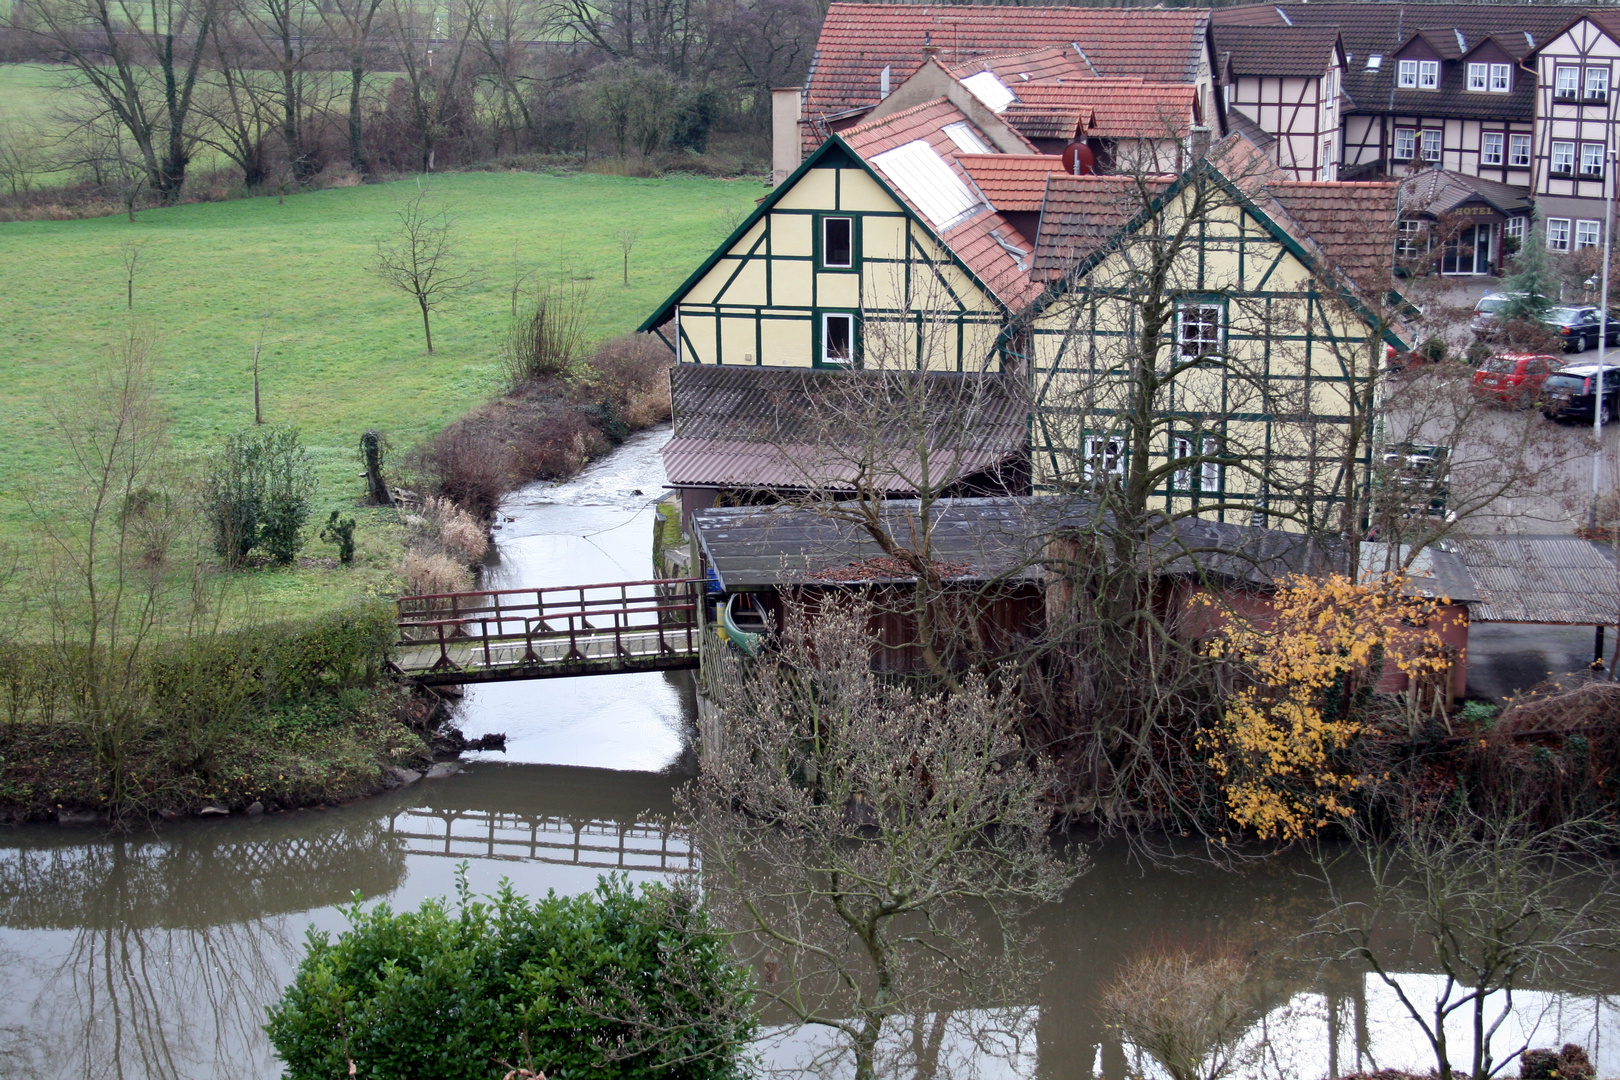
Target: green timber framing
x=986, y=313
x=1019, y=343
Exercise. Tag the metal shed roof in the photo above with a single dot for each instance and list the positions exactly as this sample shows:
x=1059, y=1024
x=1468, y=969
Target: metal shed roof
x=1548, y=580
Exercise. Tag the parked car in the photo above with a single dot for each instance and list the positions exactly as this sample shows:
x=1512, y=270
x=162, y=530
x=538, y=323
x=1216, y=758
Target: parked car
x=1487, y=319
x=1569, y=393
x=1577, y=325
x=1515, y=378
x=1418, y=471
x=1580, y=327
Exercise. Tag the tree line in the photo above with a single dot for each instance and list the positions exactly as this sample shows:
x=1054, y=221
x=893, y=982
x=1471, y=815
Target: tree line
x=284, y=89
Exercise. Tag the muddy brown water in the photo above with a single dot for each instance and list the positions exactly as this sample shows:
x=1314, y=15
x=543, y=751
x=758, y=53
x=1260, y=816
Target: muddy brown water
x=153, y=955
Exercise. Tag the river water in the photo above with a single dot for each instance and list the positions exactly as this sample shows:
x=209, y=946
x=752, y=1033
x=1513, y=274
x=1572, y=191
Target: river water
x=154, y=955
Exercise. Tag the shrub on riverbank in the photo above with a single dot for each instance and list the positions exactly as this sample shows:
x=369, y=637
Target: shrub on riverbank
x=283, y=714
x=549, y=427
x=613, y=984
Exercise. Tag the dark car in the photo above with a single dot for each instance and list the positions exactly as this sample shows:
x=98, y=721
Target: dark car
x=1569, y=393
x=1580, y=327
x=1515, y=378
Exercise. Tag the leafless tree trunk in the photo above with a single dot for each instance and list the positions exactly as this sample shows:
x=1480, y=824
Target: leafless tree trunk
x=139, y=63
x=351, y=22
x=420, y=258
x=432, y=73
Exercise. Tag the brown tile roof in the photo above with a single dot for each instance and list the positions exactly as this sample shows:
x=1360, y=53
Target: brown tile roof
x=784, y=427
x=1081, y=213
x=1440, y=191
x=859, y=40
x=1120, y=108
x=986, y=242
x=1275, y=51
x=1352, y=223
x=1380, y=28
x=1039, y=122
x=1034, y=65
x=1012, y=182
x=1348, y=227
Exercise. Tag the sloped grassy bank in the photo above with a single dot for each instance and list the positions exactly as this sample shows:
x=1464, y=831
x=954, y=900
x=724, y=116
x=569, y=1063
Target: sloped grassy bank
x=286, y=715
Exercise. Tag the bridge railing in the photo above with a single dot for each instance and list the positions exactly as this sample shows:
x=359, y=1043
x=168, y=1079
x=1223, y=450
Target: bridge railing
x=544, y=619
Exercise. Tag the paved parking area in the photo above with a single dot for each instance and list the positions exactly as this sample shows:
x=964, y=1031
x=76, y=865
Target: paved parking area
x=1504, y=658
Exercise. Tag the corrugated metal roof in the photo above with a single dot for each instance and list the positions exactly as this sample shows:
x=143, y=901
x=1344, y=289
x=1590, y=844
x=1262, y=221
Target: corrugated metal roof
x=1554, y=581
x=803, y=428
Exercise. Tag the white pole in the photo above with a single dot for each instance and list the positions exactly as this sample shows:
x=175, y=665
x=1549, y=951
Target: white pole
x=1603, y=337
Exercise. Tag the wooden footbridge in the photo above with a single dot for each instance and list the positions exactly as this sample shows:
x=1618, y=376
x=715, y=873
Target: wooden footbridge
x=507, y=634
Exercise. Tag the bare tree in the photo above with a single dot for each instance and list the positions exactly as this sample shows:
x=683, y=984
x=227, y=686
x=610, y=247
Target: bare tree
x=138, y=62
x=22, y=157
x=351, y=22
x=432, y=47
x=420, y=257
x=130, y=254
x=627, y=238
x=868, y=844
x=1488, y=900
x=1186, y=1010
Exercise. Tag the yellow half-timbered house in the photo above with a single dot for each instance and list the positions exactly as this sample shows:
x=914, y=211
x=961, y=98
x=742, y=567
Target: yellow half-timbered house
x=879, y=241
x=1210, y=337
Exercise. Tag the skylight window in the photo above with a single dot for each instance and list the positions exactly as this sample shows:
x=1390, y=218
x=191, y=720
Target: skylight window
x=923, y=177
x=990, y=90
x=1374, y=62
x=967, y=139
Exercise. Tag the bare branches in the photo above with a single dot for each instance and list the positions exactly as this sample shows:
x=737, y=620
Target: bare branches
x=420, y=257
x=870, y=846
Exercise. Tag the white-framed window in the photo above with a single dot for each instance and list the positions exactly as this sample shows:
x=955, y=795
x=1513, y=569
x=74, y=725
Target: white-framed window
x=1558, y=234
x=1490, y=148
x=1375, y=61
x=1514, y=229
x=1411, y=239
x=1198, y=330
x=1105, y=456
x=1592, y=160
x=837, y=243
x=1428, y=74
x=1519, y=150
x=1181, y=448
x=1209, y=472
x=1567, y=82
x=1501, y=78
x=1330, y=162
x=1478, y=76
x=1587, y=234
x=1406, y=75
x=1563, y=157
x=1432, y=143
x=1405, y=144
x=838, y=339
x=1597, y=84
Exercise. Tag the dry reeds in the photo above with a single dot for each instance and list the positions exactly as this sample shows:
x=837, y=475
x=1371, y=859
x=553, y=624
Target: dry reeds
x=547, y=339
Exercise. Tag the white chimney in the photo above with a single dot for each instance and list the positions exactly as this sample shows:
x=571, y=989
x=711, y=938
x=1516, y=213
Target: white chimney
x=786, y=148
x=883, y=83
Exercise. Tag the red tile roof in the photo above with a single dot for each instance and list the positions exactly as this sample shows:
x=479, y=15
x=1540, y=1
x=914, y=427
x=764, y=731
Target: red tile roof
x=859, y=40
x=983, y=241
x=1012, y=182
x=1120, y=108
x=1081, y=213
x=1044, y=64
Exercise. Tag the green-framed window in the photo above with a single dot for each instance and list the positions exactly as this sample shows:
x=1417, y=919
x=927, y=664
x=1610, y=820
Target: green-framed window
x=837, y=336
x=838, y=242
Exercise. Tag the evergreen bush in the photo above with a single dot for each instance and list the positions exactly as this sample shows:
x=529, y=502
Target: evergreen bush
x=257, y=495
x=612, y=984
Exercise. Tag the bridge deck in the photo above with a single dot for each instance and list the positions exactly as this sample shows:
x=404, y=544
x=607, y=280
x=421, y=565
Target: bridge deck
x=510, y=634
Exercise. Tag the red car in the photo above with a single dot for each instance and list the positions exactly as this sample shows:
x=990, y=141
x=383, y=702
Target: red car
x=1515, y=378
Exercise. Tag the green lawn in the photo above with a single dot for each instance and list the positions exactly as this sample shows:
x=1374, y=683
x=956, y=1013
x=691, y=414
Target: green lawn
x=342, y=352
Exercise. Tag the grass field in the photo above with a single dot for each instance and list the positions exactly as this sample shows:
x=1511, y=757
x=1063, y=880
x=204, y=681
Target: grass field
x=342, y=352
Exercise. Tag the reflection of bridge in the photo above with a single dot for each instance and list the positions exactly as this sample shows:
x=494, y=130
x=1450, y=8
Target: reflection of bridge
x=595, y=843
x=508, y=634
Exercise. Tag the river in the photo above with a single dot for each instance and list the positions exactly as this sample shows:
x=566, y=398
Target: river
x=153, y=955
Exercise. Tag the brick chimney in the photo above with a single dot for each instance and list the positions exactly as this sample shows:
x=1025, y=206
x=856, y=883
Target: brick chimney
x=786, y=145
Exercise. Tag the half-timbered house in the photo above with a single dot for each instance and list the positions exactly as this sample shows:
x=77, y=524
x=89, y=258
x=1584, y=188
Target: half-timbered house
x=1273, y=286
x=1286, y=80
x=1575, y=130
x=1458, y=225
x=1424, y=85
x=880, y=235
